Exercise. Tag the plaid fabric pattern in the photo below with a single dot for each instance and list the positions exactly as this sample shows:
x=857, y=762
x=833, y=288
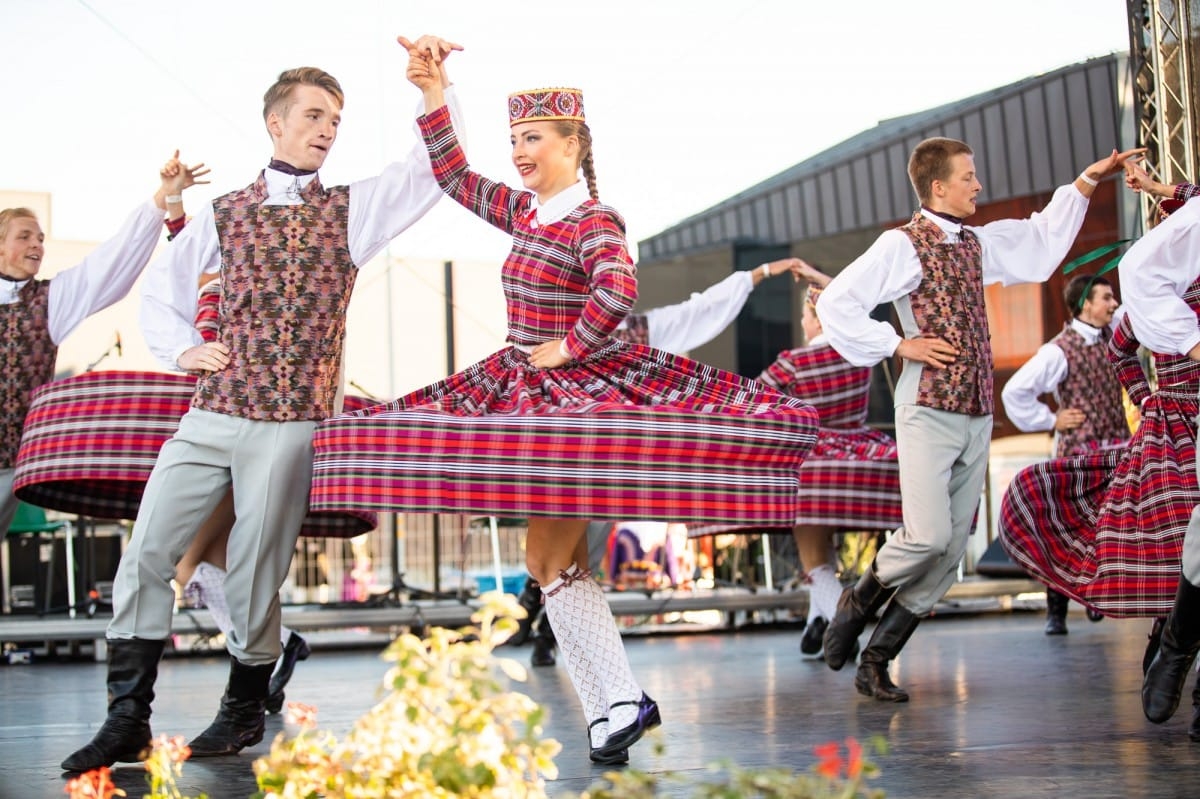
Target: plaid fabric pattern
x=851, y=479
x=208, y=310
x=1107, y=528
x=627, y=432
x=27, y=355
x=1090, y=386
x=91, y=441
x=286, y=277
x=1185, y=191
x=949, y=304
x=571, y=280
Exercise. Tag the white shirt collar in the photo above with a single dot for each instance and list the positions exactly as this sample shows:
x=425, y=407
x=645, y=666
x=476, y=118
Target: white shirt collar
x=815, y=340
x=951, y=228
x=557, y=207
x=1090, y=334
x=282, y=187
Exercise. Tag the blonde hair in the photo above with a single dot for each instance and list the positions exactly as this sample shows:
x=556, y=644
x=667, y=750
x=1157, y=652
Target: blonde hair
x=930, y=161
x=580, y=130
x=279, y=97
x=9, y=214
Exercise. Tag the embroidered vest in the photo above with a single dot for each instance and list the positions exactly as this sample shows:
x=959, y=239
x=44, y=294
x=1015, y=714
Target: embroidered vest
x=636, y=330
x=286, y=277
x=949, y=304
x=27, y=355
x=1091, y=386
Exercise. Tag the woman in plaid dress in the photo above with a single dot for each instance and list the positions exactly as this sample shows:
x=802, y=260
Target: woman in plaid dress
x=567, y=424
x=1107, y=528
x=851, y=479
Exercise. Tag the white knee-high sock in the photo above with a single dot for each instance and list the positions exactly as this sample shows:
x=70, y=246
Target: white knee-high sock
x=207, y=586
x=584, y=676
x=579, y=612
x=824, y=590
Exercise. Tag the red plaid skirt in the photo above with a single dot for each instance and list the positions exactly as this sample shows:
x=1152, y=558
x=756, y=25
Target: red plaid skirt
x=1107, y=528
x=90, y=442
x=850, y=481
x=628, y=432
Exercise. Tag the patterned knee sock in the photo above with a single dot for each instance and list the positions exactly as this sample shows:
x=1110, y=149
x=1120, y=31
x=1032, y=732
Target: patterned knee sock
x=208, y=587
x=823, y=592
x=579, y=611
x=583, y=675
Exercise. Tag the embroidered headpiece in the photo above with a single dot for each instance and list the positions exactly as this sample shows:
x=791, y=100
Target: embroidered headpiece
x=811, y=294
x=542, y=105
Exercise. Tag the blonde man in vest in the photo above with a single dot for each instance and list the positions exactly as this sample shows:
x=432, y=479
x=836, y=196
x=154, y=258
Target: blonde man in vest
x=934, y=269
x=1074, y=368
x=288, y=250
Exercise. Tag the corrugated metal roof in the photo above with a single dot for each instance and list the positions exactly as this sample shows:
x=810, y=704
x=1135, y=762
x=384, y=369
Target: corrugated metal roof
x=1029, y=137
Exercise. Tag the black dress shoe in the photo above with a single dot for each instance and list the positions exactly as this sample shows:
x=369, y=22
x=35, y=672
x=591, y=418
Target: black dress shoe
x=618, y=757
x=647, y=719
x=813, y=638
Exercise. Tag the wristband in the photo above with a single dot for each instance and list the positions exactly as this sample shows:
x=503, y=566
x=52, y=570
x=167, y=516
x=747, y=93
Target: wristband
x=1084, y=177
x=174, y=198
x=766, y=270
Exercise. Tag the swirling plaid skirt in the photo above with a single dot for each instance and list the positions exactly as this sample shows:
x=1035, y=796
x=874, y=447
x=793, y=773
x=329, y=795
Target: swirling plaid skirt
x=1107, y=528
x=849, y=481
x=628, y=432
x=90, y=443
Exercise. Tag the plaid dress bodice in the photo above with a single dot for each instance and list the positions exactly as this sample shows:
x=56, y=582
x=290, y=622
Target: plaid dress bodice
x=286, y=278
x=572, y=279
x=949, y=304
x=27, y=356
x=827, y=381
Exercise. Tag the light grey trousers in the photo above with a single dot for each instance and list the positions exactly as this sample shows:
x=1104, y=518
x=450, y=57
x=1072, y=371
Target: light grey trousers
x=269, y=465
x=943, y=462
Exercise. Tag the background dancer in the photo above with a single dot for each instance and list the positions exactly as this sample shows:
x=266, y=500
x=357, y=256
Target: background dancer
x=934, y=269
x=1074, y=368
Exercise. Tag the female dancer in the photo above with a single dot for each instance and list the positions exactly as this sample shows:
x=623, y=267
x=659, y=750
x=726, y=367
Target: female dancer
x=567, y=424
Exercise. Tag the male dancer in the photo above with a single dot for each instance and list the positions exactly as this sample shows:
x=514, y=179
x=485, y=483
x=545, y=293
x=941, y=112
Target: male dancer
x=934, y=270
x=1155, y=274
x=288, y=250
x=1074, y=367
x=36, y=315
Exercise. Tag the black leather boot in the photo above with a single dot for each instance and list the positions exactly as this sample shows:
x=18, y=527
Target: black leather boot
x=889, y=637
x=1056, y=612
x=1194, y=730
x=855, y=606
x=1162, y=687
x=531, y=600
x=297, y=649
x=125, y=735
x=1152, y=642
x=543, y=643
x=242, y=718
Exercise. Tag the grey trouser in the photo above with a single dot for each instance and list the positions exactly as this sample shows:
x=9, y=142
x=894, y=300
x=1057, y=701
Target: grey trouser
x=943, y=462
x=8, y=501
x=269, y=465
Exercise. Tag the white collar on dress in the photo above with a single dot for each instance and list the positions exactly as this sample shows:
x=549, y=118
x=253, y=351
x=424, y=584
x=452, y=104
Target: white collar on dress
x=815, y=340
x=557, y=207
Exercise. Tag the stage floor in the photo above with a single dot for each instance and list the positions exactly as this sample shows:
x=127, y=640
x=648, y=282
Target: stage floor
x=997, y=710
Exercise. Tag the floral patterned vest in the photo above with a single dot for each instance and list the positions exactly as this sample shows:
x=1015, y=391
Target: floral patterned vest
x=1091, y=386
x=949, y=305
x=27, y=355
x=636, y=330
x=286, y=277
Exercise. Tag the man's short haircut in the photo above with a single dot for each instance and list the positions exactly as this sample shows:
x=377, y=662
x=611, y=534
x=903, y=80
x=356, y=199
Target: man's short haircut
x=1073, y=292
x=930, y=161
x=9, y=214
x=279, y=96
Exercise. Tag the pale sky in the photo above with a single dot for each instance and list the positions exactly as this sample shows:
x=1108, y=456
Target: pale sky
x=690, y=101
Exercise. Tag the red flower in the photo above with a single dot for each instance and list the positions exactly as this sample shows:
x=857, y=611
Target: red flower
x=94, y=784
x=854, y=759
x=829, y=761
